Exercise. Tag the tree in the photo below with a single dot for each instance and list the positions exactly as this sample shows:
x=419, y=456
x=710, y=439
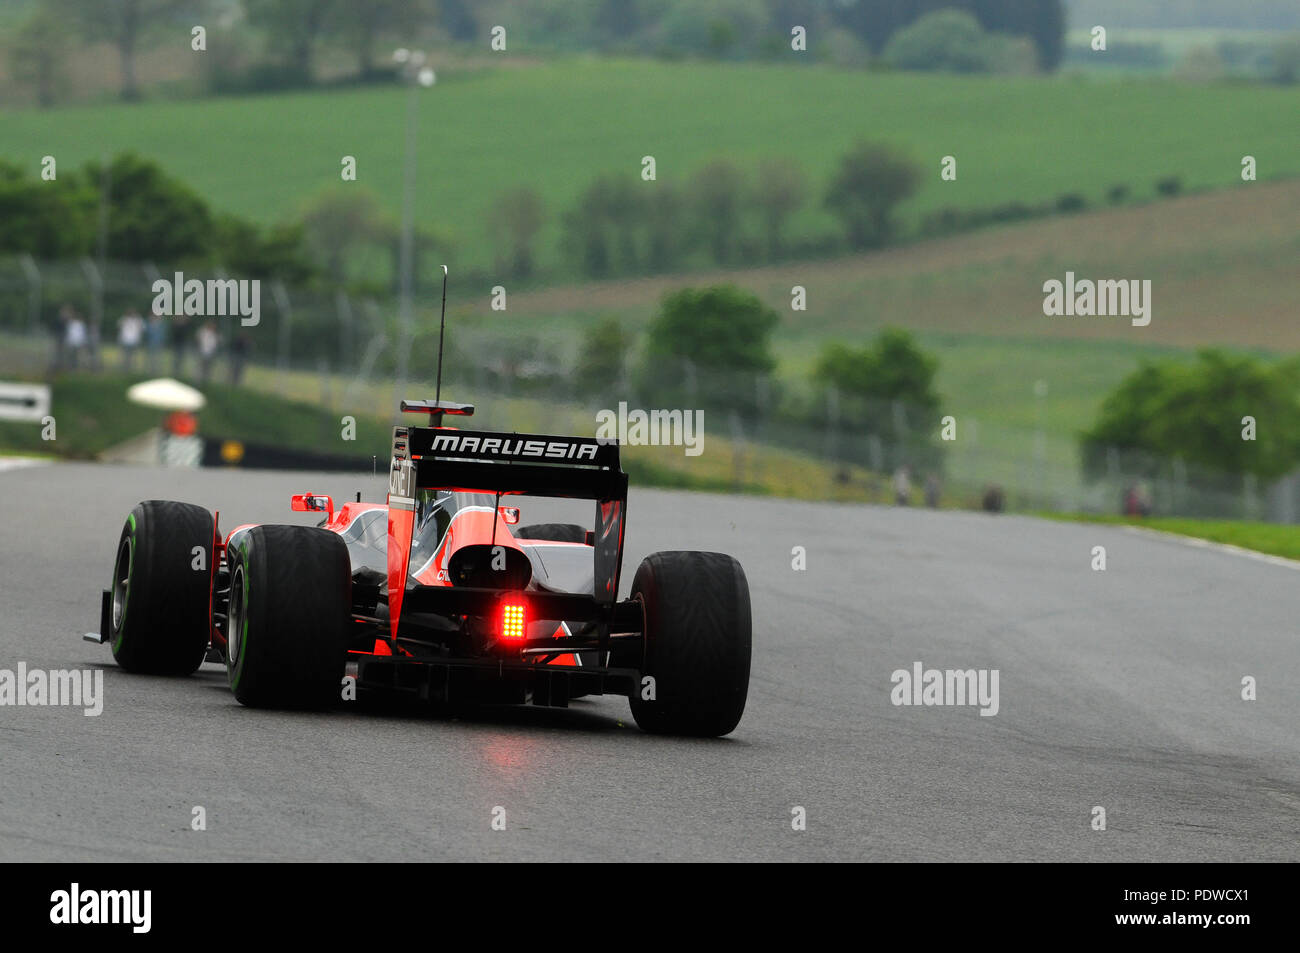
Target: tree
x=46, y=219
x=1169, y=409
x=513, y=223
x=712, y=28
x=293, y=26
x=456, y=18
x=891, y=368
x=947, y=40
x=1285, y=61
x=586, y=231
x=888, y=382
x=277, y=252
x=781, y=192
x=38, y=53
x=336, y=222
x=955, y=41
x=717, y=196
x=602, y=358
x=717, y=328
x=666, y=244
x=364, y=23
x=600, y=231
x=619, y=19
x=123, y=22
x=1042, y=21
x=151, y=216
x=875, y=22
x=872, y=179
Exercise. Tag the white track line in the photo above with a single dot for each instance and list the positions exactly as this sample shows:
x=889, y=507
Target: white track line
x=1221, y=547
x=20, y=463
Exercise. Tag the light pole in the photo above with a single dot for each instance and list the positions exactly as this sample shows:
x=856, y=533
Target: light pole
x=417, y=75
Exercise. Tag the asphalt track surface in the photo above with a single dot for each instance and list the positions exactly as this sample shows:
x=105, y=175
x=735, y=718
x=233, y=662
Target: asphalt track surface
x=1119, y=689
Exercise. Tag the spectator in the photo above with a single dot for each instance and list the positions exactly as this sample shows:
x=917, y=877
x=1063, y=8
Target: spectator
x=240, y=350
x=156, y=337
x=1143, y=499
x=130, y=332
x=208, y=344
x=74, y=343
x=60, y=334
x=932, y=491
x=180, y=335
x=903, y=486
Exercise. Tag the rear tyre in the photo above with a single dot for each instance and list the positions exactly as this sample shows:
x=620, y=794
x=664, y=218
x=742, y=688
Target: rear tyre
x=697, y=643
x=290, y=611
x=159, y=623
x=557, y=532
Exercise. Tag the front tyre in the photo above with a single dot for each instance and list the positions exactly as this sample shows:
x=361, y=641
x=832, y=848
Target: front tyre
x=162, y=588
x=698, y=641
x=290, y=611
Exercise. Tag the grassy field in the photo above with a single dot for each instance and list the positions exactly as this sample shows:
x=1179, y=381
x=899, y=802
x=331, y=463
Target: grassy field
x=554, y=126
x=1222, y=267
x=1271, y=538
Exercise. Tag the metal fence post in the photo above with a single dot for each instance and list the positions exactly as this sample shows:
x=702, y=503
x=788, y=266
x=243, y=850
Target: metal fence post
x=282, y=305
x=33, y=275
x=96, y=281
x=346, y=331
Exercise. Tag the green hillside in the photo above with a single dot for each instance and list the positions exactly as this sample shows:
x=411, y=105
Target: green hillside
x=555, y=126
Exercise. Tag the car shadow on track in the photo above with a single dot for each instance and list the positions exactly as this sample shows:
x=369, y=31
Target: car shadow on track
x=584, y=715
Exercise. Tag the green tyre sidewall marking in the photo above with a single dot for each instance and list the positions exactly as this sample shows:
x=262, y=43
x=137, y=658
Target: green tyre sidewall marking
x=130, y=571
x=243, y=633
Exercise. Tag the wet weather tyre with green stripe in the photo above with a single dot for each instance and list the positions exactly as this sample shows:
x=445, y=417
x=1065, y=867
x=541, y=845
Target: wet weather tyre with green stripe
x=290, y=611
x=697, y=643
x=162, y=580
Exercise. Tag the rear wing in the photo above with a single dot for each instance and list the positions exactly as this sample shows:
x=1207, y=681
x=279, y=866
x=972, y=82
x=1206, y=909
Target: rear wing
x=530, y=464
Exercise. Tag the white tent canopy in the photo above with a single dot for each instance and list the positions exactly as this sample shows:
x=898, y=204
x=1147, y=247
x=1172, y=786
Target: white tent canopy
x=166, y=394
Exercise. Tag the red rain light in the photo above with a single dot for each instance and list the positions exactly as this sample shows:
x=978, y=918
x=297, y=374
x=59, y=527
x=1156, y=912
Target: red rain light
x=514, y=620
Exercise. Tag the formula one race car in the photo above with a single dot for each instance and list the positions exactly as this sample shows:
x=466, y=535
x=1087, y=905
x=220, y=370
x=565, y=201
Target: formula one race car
x=439, y=593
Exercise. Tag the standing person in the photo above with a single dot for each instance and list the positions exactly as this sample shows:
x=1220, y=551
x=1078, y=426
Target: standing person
x=156, y=336
x=60, y=333
x=1131, y=500
x=208, y=343
x=932, y=491
x=180, y=335
x=130, y=332
x=1143, y=501
x=903, y=486
x=240, y=349
x=75, y=342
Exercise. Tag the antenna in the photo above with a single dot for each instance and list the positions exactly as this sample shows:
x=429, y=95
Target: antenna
x=441, y=328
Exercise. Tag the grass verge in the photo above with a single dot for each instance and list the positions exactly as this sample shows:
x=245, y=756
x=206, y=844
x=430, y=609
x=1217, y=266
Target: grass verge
x=1271, y=538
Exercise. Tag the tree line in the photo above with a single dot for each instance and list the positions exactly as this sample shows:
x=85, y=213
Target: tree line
x=269, y=44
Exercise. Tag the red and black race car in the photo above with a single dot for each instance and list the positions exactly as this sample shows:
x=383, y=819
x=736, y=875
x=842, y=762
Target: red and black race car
x=438, y=592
